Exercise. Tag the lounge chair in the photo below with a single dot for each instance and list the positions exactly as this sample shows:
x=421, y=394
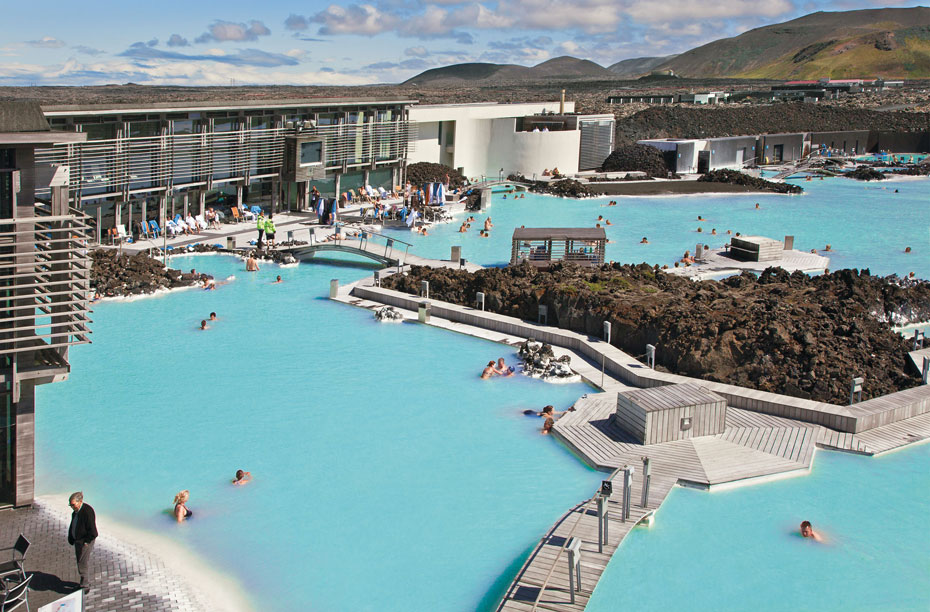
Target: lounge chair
x=234, y=212
x=143, y=229
x=247, y=214
x=201, y=222
x=153, y=225
x=256, y=210
x=123, y=235
x=16, y=596
x=14, y=566
x=192, y=224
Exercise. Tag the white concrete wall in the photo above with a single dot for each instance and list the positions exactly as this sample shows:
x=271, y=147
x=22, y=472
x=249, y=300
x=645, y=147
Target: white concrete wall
x=530, y=153
x=427, y=146
x=473, y=148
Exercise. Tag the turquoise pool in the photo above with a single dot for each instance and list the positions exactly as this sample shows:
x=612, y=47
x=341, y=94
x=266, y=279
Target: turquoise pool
x=867, y=225
x=387, y=476
x=740, y=549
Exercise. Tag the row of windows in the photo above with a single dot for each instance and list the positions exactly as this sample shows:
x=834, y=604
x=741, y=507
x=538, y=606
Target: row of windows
x=109, y=126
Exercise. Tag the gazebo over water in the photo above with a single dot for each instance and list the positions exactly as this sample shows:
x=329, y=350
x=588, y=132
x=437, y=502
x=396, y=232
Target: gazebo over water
x=543, y=245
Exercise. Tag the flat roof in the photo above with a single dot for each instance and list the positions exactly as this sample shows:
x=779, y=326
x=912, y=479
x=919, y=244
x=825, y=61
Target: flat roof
x=22, y=116
x=214, y=105
x=559, y=233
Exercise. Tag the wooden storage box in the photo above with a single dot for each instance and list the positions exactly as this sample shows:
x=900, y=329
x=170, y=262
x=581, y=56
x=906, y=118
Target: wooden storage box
x=671, y=412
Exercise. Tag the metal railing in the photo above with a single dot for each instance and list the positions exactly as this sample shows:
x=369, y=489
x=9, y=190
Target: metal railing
x=122, y=164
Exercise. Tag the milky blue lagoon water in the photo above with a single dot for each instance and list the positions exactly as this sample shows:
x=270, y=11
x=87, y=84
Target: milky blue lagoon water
x=740, y=549
x=868, y=225
x=387, y=475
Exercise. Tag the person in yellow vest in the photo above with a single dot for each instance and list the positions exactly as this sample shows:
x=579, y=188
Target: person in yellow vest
x=260, y=225
x=269, y=230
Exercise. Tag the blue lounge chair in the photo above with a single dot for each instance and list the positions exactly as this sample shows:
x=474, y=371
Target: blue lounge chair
x=153, y=224
x=256, y=210
x=144, y=230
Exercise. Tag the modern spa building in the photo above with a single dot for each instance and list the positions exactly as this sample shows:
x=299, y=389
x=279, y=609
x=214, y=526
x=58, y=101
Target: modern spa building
x=485, y=139
x=44, y=273
x=151, y=161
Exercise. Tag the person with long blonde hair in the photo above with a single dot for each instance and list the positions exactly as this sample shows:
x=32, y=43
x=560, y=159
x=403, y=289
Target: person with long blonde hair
x=181, y=511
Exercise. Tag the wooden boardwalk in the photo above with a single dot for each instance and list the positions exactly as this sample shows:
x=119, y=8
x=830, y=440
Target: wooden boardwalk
x=753, y=446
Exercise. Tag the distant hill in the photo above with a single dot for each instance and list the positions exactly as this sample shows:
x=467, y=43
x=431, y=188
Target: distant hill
x=889, y=42
x=485, y=73
x=636, y=66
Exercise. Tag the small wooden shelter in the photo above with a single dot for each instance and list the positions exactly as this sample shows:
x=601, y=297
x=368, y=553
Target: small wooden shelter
x=543, y=245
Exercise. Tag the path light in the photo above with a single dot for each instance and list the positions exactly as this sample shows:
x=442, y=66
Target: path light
x=647, y=477
x=574, y=566
x=855, y=392
x=479, y=300
x=651, y=356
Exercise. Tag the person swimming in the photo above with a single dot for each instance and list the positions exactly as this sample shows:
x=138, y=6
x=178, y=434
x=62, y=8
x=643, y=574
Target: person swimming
x=502, y=369
x=181, y=511
x=807, y=531
x=644, y=241
x=242, y=477
x=203, y=325
x=277, y=280
x=547, y=426
x=213, y=316
x=489, y=370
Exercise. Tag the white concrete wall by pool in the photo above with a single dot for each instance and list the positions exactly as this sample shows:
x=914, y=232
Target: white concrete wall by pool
x=427, y=146
x=472, y=132
x=530, y=153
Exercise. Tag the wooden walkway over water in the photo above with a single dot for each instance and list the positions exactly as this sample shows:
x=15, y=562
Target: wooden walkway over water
x=753, y=446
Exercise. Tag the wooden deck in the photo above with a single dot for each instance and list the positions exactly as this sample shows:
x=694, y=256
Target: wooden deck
x=753, y=446
x=716, y=262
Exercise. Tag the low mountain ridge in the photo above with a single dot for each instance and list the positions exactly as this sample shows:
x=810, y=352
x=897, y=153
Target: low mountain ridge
x=635, y=66
x=890, y=42
x=486, y=73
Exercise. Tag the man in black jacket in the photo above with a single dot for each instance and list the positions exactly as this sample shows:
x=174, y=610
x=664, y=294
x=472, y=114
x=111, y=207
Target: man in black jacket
x=81, y=534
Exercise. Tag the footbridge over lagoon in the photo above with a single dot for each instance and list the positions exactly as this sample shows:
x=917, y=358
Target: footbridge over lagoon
x=385, y=250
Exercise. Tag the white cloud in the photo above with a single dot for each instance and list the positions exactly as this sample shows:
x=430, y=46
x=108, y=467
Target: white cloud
x=227, y=31
x=416, y=52
x=647, y=11
x=47, y=42
x=177, y=40
x=354, y=19
x=74, y=72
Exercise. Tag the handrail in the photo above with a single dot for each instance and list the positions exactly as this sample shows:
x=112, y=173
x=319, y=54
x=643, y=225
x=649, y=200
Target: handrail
x=582, y=514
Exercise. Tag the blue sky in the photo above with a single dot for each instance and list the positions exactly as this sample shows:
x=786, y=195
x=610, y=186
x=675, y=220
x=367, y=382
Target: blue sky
x=63, y=42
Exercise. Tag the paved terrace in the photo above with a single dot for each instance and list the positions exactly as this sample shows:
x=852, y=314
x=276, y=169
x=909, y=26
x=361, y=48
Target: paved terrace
x=125, y=577
x=771, y=436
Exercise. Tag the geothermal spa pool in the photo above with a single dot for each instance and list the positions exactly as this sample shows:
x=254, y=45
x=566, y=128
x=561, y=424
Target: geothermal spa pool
x=389, y=477
x=868, y=225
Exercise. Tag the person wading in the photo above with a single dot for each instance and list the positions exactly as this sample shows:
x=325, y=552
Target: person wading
x=81, y=534
x=260, y=225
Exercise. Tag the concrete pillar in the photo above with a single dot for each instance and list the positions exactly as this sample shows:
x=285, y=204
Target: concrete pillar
x=24, y=451
x=202, y=200
x=186, y=199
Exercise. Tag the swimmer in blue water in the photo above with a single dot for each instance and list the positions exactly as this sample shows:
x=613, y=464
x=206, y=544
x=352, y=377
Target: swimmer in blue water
x=502, y=369
x=181, y=511
x=807, y=531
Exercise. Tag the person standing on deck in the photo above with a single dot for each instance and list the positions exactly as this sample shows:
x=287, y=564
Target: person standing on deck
x=260, y=225
x=81, y=535
x=270, y=230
